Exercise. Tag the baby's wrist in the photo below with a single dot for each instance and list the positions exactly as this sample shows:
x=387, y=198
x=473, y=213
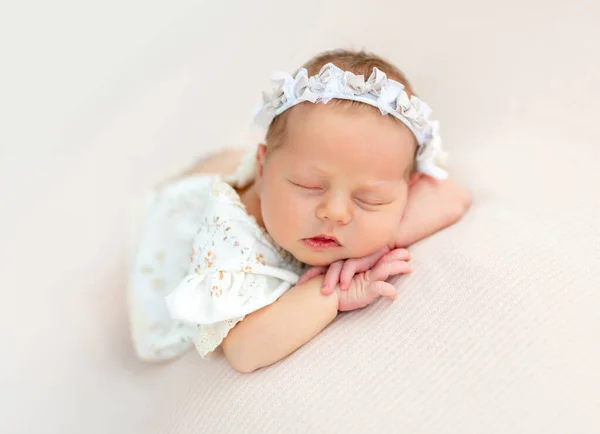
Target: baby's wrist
x=335, y=293
x=317, y=283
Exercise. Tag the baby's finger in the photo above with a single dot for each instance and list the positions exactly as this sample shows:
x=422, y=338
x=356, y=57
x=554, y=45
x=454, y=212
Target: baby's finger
x=332, y=277
x=357, y=265
x=385, y=269
x=310, y=273
x=384, y=289
x=397, y=254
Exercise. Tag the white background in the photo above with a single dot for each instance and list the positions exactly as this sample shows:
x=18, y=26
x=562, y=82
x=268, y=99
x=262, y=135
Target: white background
x=98, y=100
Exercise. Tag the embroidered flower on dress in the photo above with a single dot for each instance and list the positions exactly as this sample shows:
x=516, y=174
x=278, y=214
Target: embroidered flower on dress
x=209, y=259
x=216, y=291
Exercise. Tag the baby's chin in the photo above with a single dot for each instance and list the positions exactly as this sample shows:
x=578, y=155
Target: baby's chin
x=320, y=258
x=317, y=258
x=323, y=258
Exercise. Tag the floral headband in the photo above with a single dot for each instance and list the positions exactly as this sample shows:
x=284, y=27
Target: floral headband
x=378, y=91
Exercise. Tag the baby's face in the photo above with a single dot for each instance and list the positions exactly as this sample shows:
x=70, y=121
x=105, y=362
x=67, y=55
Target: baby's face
x=341, y=173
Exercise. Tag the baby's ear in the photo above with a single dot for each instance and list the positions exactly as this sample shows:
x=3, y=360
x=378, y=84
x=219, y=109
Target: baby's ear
x=414, y=178
x=261, y=155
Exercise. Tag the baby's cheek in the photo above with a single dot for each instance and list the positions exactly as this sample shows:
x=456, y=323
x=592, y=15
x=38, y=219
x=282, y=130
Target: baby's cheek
x=283, y=216
x=376, y=230
x=297, y=213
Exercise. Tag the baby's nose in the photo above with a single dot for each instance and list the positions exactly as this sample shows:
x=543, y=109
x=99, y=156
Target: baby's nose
x=335, y=209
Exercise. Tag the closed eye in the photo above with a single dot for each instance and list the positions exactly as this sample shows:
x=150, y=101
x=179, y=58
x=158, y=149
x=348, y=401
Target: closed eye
x=306, y=187
x=372, y=202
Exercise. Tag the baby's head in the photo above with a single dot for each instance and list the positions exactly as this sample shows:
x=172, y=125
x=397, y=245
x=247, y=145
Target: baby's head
x=337, y=170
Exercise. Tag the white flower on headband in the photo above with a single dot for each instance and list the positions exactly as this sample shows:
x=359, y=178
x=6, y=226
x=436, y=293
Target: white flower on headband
x=302, y=90
x=414, y=110
x=377, y=81
x=275, y=100
x=378, y=91
x=355, y=83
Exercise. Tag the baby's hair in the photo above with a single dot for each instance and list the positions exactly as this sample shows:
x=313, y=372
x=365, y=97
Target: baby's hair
x=357, y=62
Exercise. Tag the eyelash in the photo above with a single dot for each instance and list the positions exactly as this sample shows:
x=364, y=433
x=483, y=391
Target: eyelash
x=361, y=202
x=370, y=203
x=305, y=187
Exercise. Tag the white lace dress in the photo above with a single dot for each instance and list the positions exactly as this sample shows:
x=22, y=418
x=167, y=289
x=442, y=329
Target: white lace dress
x=201, y=263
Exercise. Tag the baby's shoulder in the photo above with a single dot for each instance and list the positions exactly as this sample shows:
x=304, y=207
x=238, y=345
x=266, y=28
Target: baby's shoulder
x=224, y=217
x=203, y=201
x=206, y=189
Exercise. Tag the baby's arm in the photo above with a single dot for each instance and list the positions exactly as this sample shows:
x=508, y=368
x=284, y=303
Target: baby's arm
x=432, y=206
x=277, y=330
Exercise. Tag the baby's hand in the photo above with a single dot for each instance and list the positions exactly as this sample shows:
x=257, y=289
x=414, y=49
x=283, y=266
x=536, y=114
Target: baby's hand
x=367, y=286
x=341, y=272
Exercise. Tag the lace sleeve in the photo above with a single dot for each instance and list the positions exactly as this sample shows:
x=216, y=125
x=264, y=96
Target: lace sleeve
x=208, y=337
